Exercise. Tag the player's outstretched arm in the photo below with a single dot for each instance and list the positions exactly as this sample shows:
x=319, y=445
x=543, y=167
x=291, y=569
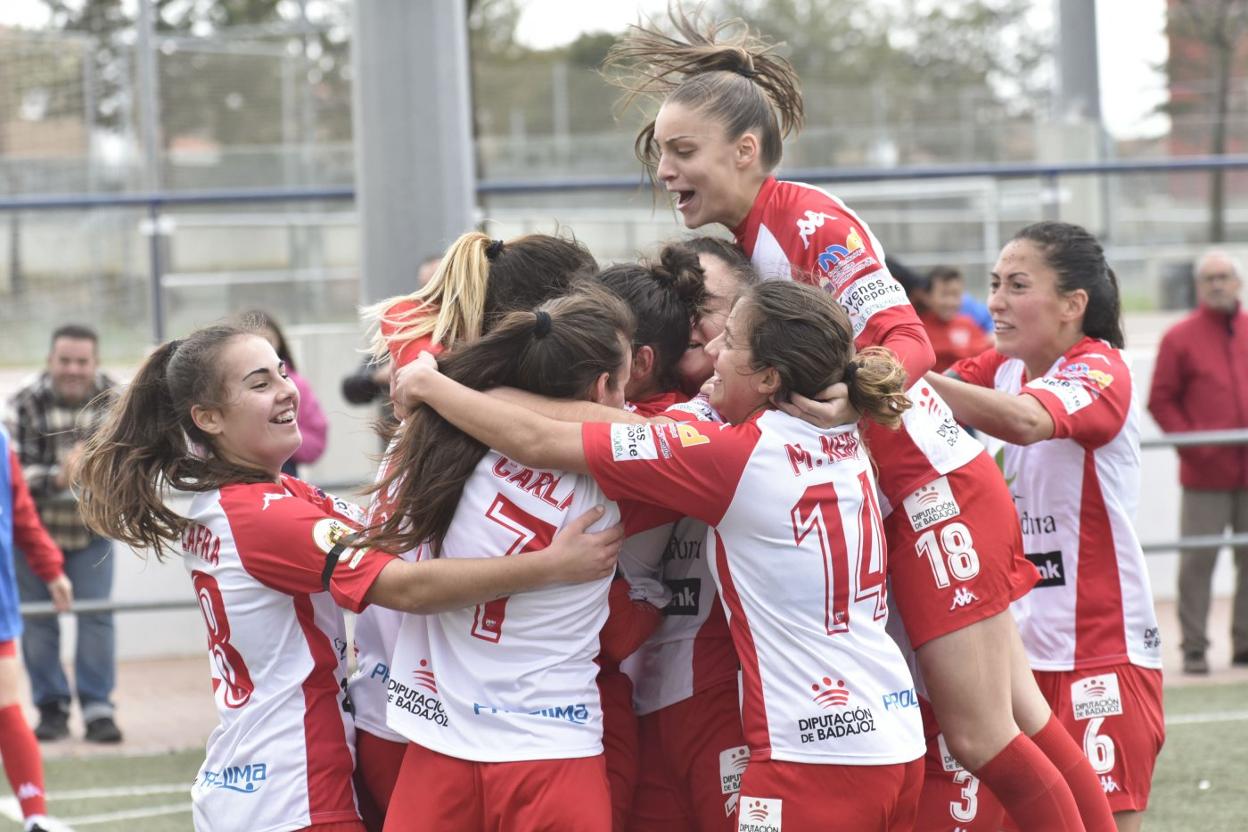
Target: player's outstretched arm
x=568, y=410
x=430, y=586
x=516, y=432
x=1019, y=420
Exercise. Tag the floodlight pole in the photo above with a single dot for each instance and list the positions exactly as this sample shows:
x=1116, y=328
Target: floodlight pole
x=414, y=169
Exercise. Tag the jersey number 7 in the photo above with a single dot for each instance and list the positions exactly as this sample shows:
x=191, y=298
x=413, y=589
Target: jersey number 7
x=531, y=534
x=818, y=512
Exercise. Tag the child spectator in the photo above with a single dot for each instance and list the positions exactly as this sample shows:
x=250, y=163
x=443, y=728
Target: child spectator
x=954, y=334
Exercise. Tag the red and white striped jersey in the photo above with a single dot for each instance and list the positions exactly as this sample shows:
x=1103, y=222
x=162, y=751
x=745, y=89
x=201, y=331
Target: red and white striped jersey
x=270, y=581
x=1076, y=496
x=512, y=679
x=799, y=561
x=799, y=232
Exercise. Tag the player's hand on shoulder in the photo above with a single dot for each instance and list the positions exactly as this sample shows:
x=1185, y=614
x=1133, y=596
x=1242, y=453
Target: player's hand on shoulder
x=579, y=555
x=830, y=409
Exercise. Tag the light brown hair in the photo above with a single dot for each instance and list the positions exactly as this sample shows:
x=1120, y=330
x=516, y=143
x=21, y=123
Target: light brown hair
x=807, y=338
x=722, y=70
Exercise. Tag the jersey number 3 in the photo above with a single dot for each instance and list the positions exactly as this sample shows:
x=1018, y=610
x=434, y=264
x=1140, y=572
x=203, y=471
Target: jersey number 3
x=530, y=534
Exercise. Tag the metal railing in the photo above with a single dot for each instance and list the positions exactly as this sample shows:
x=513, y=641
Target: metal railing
x=156, y=203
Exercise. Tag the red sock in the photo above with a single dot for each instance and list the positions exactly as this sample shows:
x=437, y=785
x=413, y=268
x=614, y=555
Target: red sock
x=1060, y=747
x=22, y=763
x=1030, y=788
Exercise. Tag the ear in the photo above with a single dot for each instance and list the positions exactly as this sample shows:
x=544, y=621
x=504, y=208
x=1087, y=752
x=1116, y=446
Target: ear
x=1074, y=305
x=602, y=385
x=643, y=362
x=768, y=382
x=746, y=150
x=208, y=419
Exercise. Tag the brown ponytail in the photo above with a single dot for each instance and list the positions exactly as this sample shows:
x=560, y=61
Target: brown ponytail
x=557, y=350
x=807, y=338
x=720, y=69
x=149, y=442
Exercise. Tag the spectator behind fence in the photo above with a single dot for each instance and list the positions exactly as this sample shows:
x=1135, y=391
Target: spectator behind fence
x=49, y=420
x=313, y=426
x=954, y=334
x=1200, y=382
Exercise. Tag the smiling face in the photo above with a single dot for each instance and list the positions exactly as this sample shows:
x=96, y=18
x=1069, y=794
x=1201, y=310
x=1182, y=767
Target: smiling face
x=256, y=426
x=736, y=389
x=71, y=367
x=713, y=178
x=722, y=287
x=1034, y=321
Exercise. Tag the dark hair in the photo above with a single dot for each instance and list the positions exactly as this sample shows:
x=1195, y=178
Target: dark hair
x=470, y=291
x=910, y=280
x=665, y=297
x=146, y=444
x=433, y=459
x=1079, y=261
x=77, y=332
x=807, y=338
x=257, y=320
x=722, y=70
x=944, y=274
x=727, y=251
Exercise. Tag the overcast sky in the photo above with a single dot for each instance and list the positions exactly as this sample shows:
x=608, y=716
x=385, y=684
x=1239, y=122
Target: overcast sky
x=1130, y=36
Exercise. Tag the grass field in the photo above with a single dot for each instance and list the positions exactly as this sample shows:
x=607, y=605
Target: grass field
x=1201, y=782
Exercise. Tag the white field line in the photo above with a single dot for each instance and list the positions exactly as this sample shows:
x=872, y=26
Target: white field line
x=127, y=814
x=10, y=809
x=1212, y=716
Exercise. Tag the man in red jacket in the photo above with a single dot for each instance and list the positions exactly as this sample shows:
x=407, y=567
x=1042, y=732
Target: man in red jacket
x=1201, y=383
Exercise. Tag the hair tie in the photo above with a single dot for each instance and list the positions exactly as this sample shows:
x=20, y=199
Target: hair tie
x=494, y=249
x=851, y=370
x=541, y=324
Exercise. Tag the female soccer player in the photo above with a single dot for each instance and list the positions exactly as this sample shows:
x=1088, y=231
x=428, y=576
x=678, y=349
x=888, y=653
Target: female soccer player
x=474, y=284
x=19, y=524
x=212, y=417
x=1058, y=391
x=500, y=702
x=727, y=104
x=801, y=572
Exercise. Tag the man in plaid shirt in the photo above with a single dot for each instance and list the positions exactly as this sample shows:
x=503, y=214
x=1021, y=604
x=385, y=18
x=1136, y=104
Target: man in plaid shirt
x=49, y=419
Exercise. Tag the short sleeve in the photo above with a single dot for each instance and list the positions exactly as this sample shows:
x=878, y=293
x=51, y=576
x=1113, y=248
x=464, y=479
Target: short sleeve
x=1088, y=397
x=690, y=467
x=980, y=370
x=298, y=547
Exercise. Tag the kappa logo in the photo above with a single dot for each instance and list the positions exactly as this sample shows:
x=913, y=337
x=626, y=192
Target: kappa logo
x=425, y=678
x=828, y=696
x=732, y=763
x=961, y=598
x=809, y=224
x=28, y=790
x=271, y=497
x=760, y=814
x=1108, y=784
x=1096, y=696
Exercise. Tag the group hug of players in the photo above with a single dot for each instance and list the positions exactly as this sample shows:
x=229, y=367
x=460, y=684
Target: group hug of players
x=696, y=543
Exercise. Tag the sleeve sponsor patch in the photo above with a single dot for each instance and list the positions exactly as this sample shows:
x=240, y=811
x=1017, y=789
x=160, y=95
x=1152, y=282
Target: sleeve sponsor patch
x=931, y=504
x=1073, y=395
x=632, y=442
x=328, y=533
x=871, y=295
x=1095, y=696
x=701, y=409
